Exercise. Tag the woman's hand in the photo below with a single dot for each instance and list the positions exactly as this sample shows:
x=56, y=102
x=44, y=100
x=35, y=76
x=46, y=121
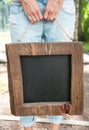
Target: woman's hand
x=52, y=9
x=32, y=10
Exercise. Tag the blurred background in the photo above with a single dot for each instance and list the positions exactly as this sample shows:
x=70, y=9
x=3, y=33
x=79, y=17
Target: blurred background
x=81, y=34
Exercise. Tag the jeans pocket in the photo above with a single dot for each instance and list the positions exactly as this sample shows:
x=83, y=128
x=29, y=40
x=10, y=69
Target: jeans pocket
x=68, y=7
x=16, y=13
x=16, y=9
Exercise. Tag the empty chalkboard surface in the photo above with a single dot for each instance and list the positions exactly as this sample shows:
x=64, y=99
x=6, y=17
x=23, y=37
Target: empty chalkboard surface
x=45, y=78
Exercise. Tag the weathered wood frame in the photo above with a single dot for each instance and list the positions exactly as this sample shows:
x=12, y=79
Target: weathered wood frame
x=18, y=107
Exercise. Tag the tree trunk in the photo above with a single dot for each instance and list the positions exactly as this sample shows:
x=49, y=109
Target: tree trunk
x=78, y=29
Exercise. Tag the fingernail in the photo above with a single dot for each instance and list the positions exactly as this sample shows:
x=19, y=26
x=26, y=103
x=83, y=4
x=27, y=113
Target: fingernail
x=41, y=17
x=51, y=18
x=45, y=15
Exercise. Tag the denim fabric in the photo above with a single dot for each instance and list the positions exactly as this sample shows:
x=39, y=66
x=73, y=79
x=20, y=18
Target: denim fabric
x=44, y=30
x=27, y=121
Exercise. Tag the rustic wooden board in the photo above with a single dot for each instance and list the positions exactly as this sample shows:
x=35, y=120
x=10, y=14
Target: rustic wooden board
x=18, y=106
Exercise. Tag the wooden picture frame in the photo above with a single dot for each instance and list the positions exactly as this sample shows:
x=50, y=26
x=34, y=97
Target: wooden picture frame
x=18, y=106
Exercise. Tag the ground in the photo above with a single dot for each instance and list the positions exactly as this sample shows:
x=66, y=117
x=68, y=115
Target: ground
x=15, y=125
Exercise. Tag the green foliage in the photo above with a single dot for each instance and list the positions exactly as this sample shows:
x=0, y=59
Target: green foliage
x=86, y=46
x=9, y=1
x=85, y=19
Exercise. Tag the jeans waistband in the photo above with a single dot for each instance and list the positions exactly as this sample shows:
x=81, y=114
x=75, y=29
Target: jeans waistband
x=43, y=1
x=18, y=2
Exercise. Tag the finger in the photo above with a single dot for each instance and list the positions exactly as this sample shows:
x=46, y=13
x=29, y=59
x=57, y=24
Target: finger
x=37, y=18
x=49, y=16
x=52, y=17
x=27, y=12
x=39, y=14
x=51, y=12
x=57, y=8
x=46, y=15
x=31, y=20
x=55, y=16
x=33, y=15
x=36, y=15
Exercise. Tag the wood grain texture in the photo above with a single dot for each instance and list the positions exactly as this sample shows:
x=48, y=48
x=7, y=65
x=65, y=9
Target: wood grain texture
x=18, y=107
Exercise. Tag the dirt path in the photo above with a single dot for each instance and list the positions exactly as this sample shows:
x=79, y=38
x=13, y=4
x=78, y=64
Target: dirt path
x=14, y=125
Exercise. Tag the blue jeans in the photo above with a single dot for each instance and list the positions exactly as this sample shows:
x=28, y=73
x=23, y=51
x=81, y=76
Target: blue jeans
x=46, y=31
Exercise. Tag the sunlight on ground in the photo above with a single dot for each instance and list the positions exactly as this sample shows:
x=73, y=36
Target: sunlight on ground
x=5, y=37
x=3, y=78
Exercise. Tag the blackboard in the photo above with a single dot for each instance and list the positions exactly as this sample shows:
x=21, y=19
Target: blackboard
x=46, y=78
